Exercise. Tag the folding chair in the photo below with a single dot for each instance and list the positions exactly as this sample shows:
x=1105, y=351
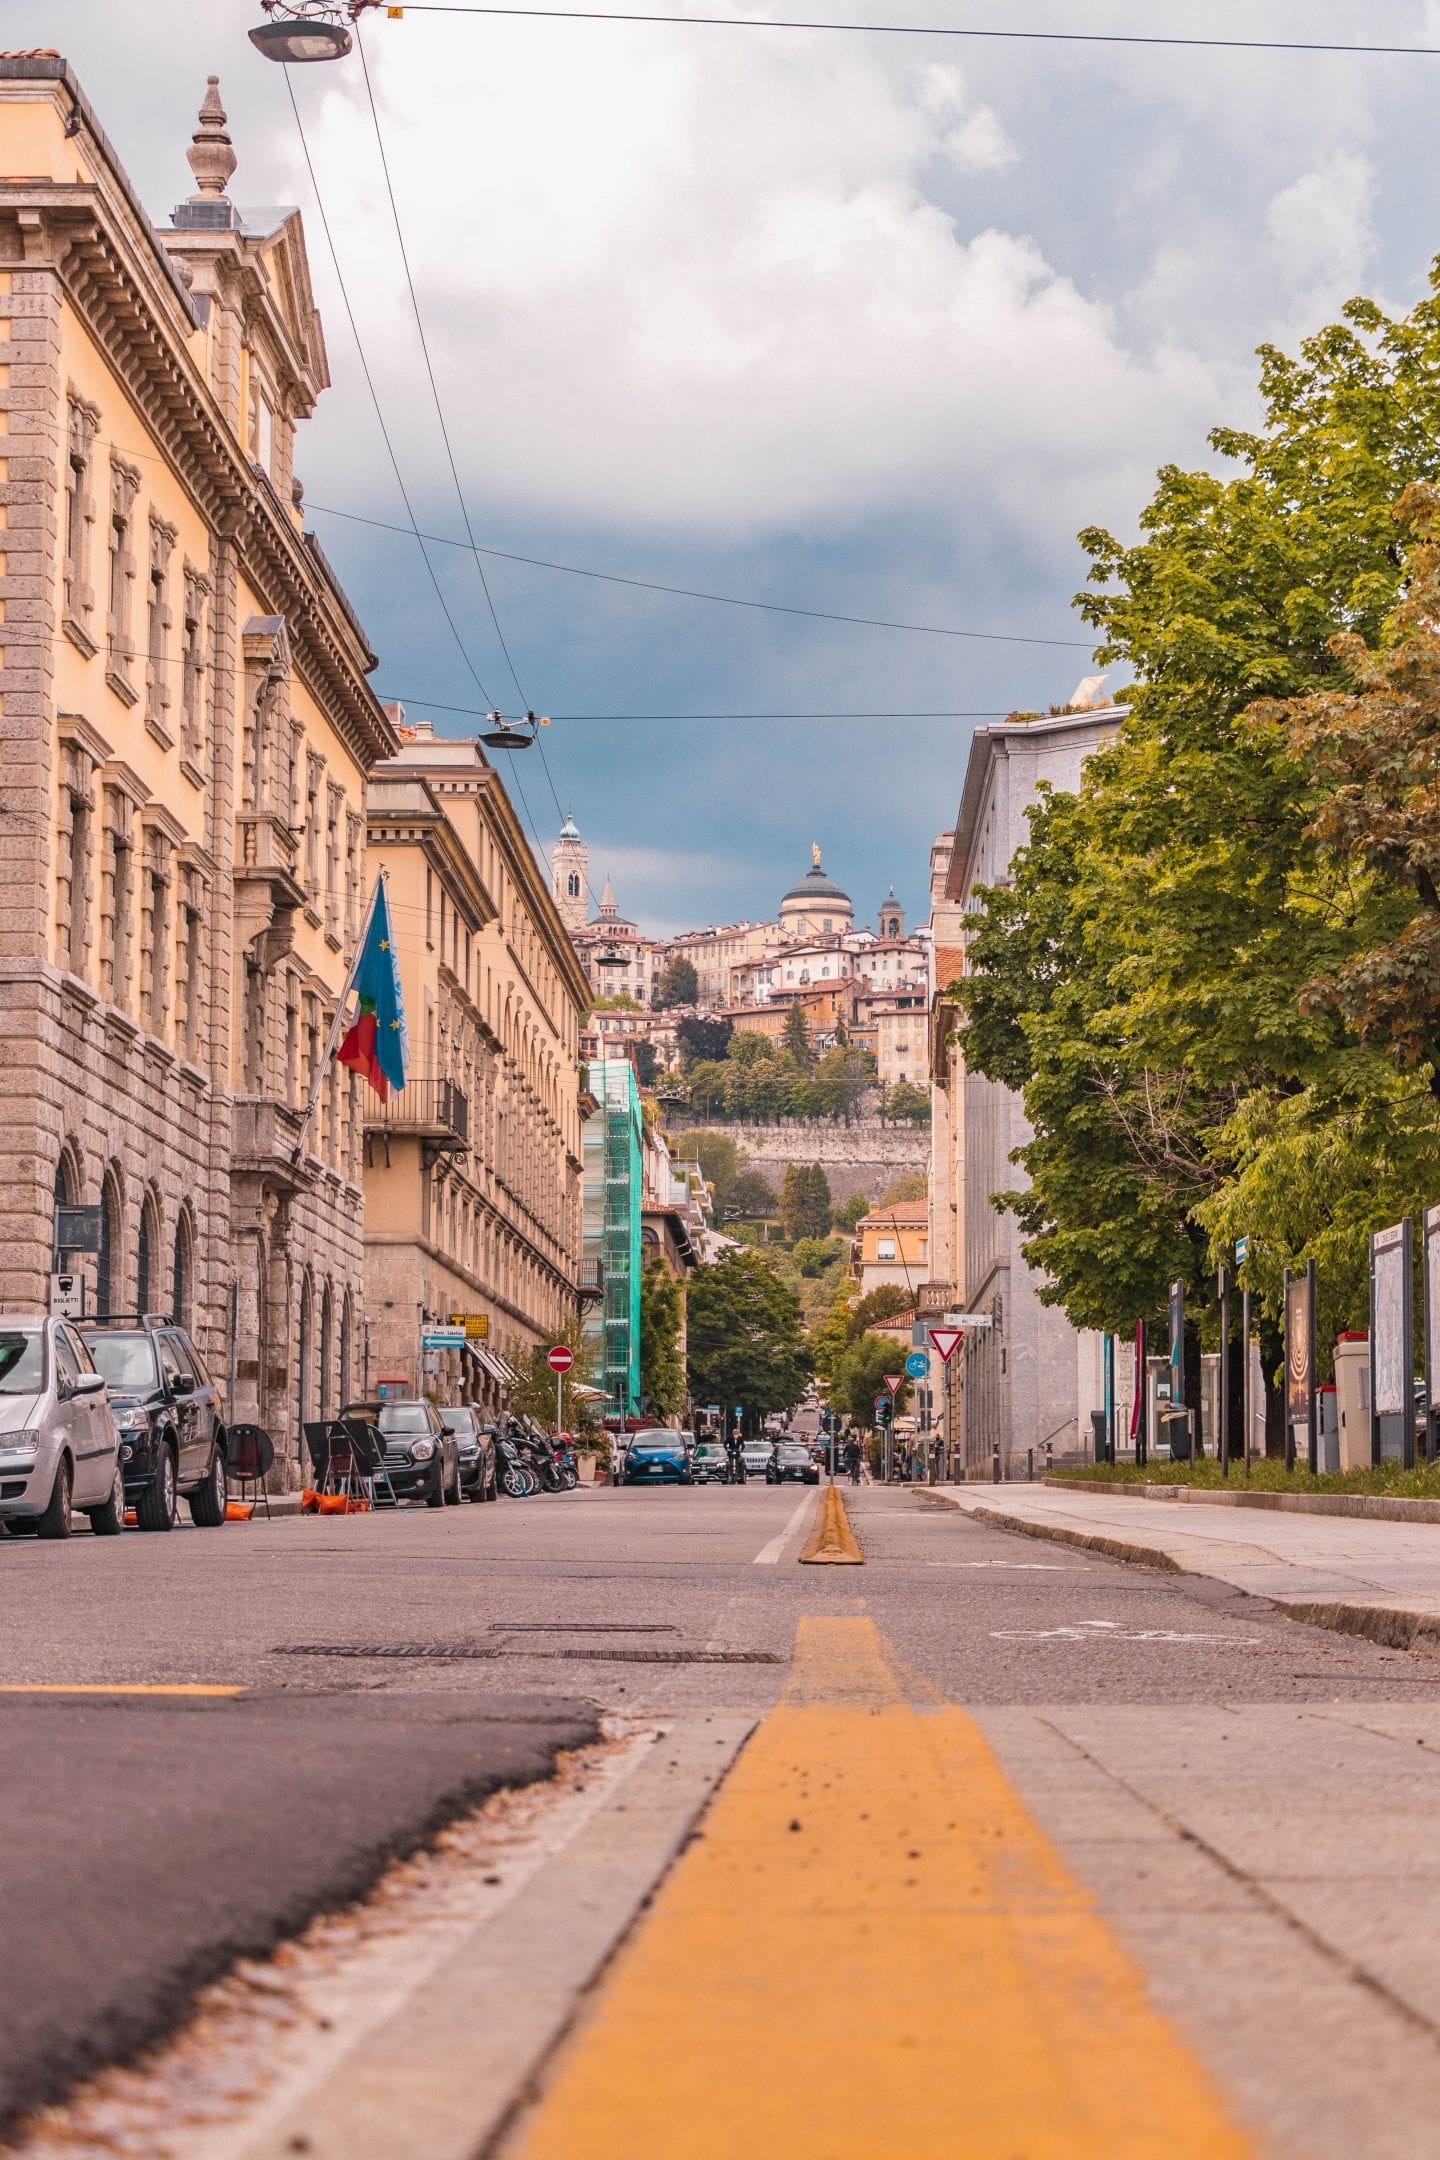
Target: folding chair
x=249, y=1455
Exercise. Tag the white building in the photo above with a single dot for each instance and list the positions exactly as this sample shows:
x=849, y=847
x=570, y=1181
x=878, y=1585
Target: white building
x=1032, y=1377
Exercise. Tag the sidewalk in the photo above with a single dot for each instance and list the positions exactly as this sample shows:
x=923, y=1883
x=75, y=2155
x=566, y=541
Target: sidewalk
x=1362, y=1577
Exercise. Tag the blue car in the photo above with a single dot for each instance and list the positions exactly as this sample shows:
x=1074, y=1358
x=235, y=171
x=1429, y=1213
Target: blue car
x=658, y=1456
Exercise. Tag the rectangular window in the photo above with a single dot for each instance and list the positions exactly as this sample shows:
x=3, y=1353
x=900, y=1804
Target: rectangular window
x=157, y=627
x=885, y=1248
x=155, y=934
x=84, y=420
x=255, y=1019
x=124, y=485
x=334, y=811
x=116, y=898
x=193, y=731
x=189, y=947
x=352, y=878
x=314, y=777
x=72, y=895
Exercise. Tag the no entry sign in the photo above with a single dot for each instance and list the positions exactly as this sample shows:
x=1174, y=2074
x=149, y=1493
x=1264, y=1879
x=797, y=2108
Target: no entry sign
x=560, y=1359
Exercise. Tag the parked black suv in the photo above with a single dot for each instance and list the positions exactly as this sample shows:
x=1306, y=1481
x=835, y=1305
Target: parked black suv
x=172, y=1435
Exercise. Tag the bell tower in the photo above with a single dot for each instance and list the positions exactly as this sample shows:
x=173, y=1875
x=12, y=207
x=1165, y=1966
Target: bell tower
x=891, y=920
x=569, y=876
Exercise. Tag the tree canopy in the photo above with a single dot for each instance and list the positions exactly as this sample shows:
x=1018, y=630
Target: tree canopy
x=744, y=1333
x=662, y=1371
x=679, y=984
x=804, y=1202
x=1188, y=972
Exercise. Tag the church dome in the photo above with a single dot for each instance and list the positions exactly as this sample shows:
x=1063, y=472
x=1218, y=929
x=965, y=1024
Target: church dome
x=816, y=889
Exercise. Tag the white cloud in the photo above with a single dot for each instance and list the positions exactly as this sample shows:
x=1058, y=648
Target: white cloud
x=701, y=285
x=1320, y=232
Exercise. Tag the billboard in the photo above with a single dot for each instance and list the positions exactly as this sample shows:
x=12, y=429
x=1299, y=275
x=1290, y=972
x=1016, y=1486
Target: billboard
x=1390, y=1310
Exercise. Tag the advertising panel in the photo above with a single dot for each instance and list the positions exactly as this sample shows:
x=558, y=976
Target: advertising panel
x=1390, y=1291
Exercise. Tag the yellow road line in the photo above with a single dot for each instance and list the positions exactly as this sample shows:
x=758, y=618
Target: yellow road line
x=116, y=1687
x=874, y=1953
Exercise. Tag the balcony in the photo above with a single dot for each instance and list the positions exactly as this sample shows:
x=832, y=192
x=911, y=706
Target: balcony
x=435, y=1111
x=592, y=1281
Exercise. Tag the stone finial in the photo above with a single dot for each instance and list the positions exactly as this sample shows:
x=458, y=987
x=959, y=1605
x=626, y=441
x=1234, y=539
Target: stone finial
x=211, y=157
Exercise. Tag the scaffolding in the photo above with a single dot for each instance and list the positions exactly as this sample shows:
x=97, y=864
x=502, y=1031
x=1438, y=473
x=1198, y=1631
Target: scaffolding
x=613, y=1200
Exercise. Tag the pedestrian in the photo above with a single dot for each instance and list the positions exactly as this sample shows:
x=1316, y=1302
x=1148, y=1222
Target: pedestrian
x=617, y=1458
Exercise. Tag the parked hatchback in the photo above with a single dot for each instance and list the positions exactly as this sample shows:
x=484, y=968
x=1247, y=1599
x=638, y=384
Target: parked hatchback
x=476, y=1444
x=172, y=1435
x=59, y=1449
x=422, y=1459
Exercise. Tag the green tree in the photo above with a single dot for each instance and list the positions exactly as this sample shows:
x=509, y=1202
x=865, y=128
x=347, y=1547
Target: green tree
x=906, y=1104
x=647, y=1065
x=859, y=1377
x=911, y=1185
x=707, y=1084
x=796, y=1038
x=699, y=1040
x=534, y=1395
x=720, y=1162
x=748, y=1048
x=662, y=1371
x=617, y=1001
x=884, y=1302
x=679, y=983
x=840, y=1081
x=1147, y=976
x=804, y=1202
x=745, y=1343
x=812, y=1255
x=751, y=1195
x=846, y=1213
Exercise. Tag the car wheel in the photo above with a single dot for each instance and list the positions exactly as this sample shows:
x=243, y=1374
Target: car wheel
x=207, y=1502
x=155, y=1508
x=456, y=1493
x=492, y=1484
x=56, y=1521
x=436, y=1495
x=108, y=1520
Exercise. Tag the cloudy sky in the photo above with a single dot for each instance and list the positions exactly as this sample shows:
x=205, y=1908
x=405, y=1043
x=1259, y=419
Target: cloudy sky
x=867, y=325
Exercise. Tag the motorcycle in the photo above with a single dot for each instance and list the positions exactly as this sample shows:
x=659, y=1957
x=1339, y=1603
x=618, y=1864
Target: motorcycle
x=516, y=1476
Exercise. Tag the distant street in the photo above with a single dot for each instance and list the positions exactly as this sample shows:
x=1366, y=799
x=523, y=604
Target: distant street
x=1229, y=1785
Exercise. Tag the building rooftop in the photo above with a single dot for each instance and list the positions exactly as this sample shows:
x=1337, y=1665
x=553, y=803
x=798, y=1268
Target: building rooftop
x=906, y=1214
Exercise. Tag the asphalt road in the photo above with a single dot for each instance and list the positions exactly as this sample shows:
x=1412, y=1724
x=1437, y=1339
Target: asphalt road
x=1233, y=1787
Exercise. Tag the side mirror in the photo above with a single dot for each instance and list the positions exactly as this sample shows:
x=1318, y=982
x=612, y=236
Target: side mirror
x=88, y=1383
x=183, y=1384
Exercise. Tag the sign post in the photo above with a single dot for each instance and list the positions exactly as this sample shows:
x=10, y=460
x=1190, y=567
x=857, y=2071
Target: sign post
x=560, y=1359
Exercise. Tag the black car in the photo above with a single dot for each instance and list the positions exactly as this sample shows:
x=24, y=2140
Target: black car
x=422, y=1459
x=476, y=1442
x=792, y=1459
x=172, y=1432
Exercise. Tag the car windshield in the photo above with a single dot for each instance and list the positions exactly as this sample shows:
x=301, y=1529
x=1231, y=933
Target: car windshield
x=404, y=1418
x=22, y=1361
x=653, y=1447
x=127, y=1361
x=459, y=1420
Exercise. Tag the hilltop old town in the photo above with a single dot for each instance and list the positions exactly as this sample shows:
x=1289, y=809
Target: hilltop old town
x=499, y=1205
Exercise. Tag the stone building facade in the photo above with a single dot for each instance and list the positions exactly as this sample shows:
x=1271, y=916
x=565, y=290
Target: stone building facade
x=472, y=1172
x=187, y=726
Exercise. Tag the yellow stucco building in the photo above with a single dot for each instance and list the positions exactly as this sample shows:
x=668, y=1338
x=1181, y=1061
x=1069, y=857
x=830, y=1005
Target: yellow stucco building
x=473, y=1172
x=186, y=726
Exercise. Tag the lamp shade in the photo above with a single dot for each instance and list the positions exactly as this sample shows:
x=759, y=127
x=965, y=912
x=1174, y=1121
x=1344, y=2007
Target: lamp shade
x=297, y=40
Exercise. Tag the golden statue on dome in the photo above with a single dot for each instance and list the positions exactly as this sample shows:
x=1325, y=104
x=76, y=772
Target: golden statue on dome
x=815, y=853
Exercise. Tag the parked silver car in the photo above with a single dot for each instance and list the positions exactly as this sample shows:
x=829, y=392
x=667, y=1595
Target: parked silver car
x=59, y=1446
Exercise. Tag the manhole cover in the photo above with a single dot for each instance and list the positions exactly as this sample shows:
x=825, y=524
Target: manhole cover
x=388, y=1650
x=582, y=1627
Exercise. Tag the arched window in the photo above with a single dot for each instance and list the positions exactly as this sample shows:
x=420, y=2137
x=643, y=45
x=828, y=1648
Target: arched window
x=572, y=886
x=147, y=1257
x=107, y=1260
x=327, y=1332
x=181, y=1273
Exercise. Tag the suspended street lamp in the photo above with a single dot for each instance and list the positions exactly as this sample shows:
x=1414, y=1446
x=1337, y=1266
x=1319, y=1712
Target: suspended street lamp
x=300, y=30
x=503, y=734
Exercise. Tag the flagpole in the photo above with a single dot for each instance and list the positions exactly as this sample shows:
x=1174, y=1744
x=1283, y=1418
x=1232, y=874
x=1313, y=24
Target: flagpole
x=322, y=1070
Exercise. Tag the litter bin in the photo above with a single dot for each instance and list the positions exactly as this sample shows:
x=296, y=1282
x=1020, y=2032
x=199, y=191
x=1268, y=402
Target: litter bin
x=1327, y=1434
x=1097, y=1432
x=1175, y=1432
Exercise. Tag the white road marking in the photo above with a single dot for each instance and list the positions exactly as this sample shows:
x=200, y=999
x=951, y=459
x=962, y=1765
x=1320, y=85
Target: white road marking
x=1091, y=1631
x=769, y=1554
x=1024, y=1567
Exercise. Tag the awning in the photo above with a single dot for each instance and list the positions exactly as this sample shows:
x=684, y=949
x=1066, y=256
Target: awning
x=486, y=1360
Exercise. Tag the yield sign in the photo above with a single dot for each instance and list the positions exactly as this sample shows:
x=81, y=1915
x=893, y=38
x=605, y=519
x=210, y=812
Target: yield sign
x=947, y=1341
x=894, y=1381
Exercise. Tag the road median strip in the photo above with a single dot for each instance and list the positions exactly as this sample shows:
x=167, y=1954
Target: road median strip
x=871, y=1854
x=832, y=1542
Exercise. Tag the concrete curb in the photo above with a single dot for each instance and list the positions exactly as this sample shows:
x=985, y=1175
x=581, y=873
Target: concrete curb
x=1115, y=1548
x=1375, y=1507
x=832, y=1541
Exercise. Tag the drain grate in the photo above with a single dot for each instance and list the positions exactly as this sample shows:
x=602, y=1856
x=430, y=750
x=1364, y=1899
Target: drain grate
x=582, y=1627
x=452, y=1651
x=621, y=1656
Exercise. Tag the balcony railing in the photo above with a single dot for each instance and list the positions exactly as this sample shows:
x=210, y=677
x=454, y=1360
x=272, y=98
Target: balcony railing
x=435, y=1110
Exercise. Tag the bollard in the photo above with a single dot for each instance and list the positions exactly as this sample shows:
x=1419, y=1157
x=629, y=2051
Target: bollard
x=1030, y=1466
x=1049, y=1458
x=995, y=1464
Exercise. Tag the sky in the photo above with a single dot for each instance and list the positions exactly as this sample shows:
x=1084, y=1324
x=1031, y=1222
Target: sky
x=867, y=325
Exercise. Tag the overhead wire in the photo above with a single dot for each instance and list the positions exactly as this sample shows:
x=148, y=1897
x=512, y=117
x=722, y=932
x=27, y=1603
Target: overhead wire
x=688, y=592
x=945, y=30
x=374, y=395
x=449, y=448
